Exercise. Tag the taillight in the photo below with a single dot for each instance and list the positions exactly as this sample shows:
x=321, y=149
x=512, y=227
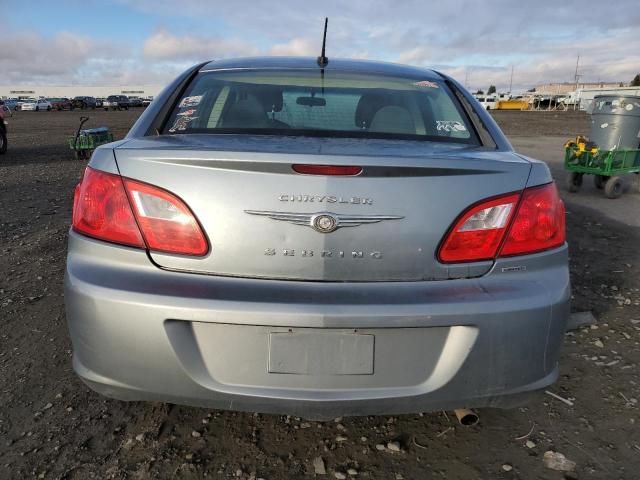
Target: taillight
x=539, y=224
x=327, y=169
x=479, y=231
x=102, y=210
x=158, y=220
x=166, y=222
x=509, y=225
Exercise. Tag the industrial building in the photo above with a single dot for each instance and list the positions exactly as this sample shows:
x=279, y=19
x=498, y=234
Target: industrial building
x=562, y=88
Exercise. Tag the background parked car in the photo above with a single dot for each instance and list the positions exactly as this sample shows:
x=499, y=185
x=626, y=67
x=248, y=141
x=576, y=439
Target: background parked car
x=85, y=103
x=3, y=132
x=99, y=101
x=489, y=102
x=22, y=101
x=5, y=110
x=116, y=102
x=37, y=105
x=147, y=101
x=135, y=102
x=11, y=103
x=60, y=103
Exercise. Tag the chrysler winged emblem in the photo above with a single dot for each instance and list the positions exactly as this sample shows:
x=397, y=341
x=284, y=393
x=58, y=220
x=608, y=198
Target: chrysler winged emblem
x=323, y=222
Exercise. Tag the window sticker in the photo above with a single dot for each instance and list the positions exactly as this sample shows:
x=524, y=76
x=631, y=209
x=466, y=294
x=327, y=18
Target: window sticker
x=450, y=126
x=187, y=113
x=181, y=123
x=426, y=83
x=190, y=101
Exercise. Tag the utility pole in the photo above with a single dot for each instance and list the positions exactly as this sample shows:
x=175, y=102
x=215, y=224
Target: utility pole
x=577, y=79
x=466, y=78
x=511, y=81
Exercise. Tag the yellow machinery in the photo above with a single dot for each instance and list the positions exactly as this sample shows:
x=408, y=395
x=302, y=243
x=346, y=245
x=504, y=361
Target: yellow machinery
x=513, y=105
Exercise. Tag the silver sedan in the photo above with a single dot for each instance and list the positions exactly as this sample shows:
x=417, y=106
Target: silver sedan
x=353, y=238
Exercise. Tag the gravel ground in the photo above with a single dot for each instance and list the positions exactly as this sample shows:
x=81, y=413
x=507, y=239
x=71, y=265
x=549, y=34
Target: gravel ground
x=52, y=426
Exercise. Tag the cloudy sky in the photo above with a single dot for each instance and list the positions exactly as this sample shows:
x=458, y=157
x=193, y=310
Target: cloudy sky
x=119, y=42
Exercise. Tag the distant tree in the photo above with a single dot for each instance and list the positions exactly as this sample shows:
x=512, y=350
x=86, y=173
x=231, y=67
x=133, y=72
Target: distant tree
x=492, y=89
x=636, y=81
x=479, y=92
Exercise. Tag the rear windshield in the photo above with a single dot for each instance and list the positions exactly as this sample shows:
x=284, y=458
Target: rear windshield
x=307, y=102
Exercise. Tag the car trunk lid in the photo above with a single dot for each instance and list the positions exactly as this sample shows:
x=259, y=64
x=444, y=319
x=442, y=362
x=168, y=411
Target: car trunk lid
x=265, y=220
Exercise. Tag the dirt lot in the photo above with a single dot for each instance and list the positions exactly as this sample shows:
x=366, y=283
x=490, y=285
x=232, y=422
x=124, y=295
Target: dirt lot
x=52, y=426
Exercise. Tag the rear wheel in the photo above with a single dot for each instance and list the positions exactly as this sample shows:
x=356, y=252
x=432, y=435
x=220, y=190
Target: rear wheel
x=82, y=154
x=574, y=181
x=613, y=188
x=37, y=109
x=48, y=109
x=3, y=141
x=599, y=181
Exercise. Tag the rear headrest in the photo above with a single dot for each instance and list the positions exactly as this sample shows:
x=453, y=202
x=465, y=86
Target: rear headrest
x=370, y=103
x=247, y=112
x=393, y=119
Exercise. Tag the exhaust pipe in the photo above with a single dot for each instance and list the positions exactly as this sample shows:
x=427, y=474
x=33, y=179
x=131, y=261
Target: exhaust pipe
x=466, y=417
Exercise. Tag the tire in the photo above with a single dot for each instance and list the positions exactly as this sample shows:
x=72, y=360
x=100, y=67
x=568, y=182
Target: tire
x=614, y=187
x=48, y=109
x=574, y=181
x=3, y=141
x=106, y=109
x=37, y=109
x=600, y=181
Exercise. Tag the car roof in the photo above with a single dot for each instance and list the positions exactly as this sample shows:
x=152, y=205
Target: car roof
x=335, y=64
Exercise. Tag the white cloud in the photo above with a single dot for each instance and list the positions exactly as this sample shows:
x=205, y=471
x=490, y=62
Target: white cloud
x=463, y=37
x=416, y=55
x=33, y=54
x=296, y=47
x=164, y=45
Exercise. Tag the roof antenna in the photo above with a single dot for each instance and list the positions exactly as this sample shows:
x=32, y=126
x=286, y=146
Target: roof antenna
x=322, y=59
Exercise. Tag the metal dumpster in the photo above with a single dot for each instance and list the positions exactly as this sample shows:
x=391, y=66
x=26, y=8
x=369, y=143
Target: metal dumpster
x=615, y=123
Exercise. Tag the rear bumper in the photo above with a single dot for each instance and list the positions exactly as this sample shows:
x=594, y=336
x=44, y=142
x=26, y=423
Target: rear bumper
x=141, y=333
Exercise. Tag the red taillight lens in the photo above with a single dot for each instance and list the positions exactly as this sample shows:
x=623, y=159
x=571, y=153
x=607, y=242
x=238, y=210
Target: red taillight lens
x=101, y=210
x=166, y=222
x=539, y=224
x=531, y=223
x=479, y=231
x=160, y=221
x=327, y=169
